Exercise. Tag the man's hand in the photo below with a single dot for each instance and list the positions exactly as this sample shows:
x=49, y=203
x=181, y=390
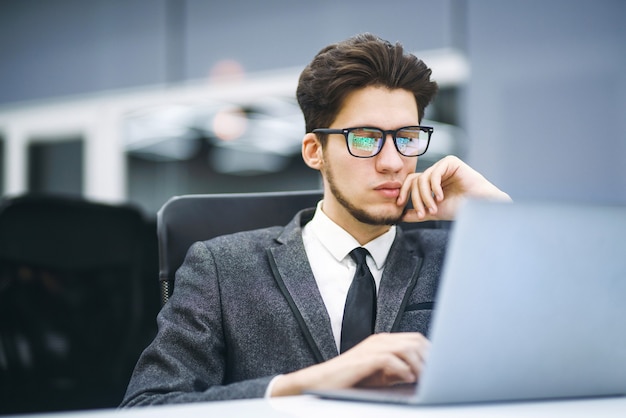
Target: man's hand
x=437, y=192
x=380, y=360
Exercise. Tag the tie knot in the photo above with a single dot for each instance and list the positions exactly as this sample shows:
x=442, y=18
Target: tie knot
x=358, y=255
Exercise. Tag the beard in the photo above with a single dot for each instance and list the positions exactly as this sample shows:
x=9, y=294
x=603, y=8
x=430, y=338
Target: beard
x=360, y=214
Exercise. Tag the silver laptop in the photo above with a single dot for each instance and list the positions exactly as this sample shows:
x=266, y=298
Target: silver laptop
x=532, y=305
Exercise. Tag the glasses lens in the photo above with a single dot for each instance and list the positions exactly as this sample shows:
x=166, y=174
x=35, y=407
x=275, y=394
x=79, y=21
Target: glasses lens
x=364, y=142
x=412, y=141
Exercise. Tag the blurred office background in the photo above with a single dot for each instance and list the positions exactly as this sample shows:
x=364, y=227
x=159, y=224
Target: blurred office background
x=134, y=101
x=143, y=99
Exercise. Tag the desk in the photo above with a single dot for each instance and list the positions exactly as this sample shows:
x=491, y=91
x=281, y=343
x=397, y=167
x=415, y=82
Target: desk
x=312, y=407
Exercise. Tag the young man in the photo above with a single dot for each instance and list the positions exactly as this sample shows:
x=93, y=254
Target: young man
x=261, y=313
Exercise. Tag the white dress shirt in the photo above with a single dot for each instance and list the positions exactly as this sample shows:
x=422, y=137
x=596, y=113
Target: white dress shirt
x=328, y=247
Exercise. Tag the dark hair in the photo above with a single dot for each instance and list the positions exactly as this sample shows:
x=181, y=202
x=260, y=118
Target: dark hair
x=361, y=61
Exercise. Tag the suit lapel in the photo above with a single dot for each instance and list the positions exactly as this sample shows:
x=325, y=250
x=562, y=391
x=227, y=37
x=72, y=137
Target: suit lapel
x=294, y=277
x=398, y=280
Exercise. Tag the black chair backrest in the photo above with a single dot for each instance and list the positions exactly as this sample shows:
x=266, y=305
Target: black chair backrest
x=186, y=219
x=70, y=302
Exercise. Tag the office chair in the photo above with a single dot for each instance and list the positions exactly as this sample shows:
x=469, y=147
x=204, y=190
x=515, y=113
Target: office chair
x=186, y=219
x=70, y=302
x=183, y=220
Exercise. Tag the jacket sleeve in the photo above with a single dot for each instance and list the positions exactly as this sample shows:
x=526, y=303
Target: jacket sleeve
x=186, y=362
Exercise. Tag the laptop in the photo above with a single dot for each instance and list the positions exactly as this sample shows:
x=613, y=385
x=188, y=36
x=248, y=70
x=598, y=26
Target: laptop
x=531, y=305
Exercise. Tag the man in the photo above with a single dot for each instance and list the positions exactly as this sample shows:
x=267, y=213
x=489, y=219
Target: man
x=262, y=313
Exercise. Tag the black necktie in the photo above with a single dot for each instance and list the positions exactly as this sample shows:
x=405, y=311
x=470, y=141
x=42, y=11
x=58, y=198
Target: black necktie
x=360, y=311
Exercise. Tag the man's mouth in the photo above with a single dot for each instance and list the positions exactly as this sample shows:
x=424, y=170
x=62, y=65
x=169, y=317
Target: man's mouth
x=390, y=189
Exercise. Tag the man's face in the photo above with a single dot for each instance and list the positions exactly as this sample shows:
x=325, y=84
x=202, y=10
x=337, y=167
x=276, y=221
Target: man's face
x=366, y=189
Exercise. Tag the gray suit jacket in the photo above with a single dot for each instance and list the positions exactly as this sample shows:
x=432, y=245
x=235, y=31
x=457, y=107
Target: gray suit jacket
x=246, y=308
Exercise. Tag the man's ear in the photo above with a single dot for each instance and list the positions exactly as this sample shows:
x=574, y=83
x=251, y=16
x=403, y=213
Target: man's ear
x=312, y=151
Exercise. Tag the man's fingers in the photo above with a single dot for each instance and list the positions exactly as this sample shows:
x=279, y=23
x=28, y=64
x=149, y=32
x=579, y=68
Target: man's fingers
x=418, y=204
x=396, y=371
x=400, y=358
x=425, y=190
x=416, y=352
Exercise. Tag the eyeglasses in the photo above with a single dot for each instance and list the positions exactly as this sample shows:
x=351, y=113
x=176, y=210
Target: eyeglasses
x=366, y=142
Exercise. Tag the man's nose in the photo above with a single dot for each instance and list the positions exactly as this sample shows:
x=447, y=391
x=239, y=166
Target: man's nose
x=389, y=159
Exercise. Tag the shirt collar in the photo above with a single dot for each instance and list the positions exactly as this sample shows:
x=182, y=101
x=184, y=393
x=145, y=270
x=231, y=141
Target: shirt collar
x=339, y=242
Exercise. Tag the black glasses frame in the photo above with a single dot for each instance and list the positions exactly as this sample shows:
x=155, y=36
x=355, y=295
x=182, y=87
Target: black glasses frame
x=393, y=132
